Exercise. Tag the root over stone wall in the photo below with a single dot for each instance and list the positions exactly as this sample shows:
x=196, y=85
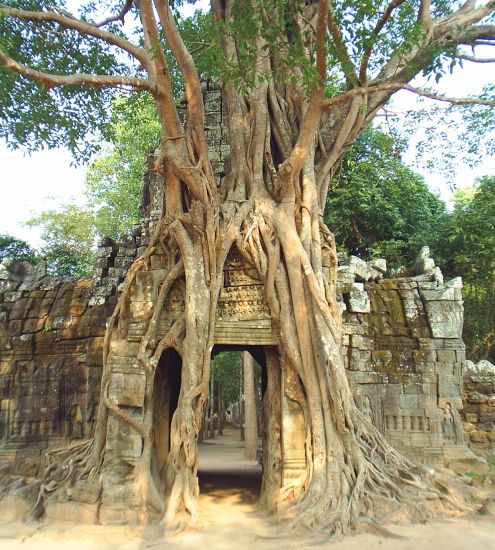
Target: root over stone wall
x=402, y=340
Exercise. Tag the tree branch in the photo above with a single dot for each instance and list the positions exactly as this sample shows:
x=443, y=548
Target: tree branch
x=481, y=32
x=424, y=12
x=455, y=29
x=462, y=19
x=96, y=81
x=374, y=36
x=476, y=59
x=329, y=103
x=292, y=166
x=468, y=5
x=119, y=17
x=194, y=93
x=80, y=26
x=340, y=47
x=160, y=69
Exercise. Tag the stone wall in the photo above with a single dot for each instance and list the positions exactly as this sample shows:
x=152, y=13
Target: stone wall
x=402, y=347
x=50, y=359
x=404, y=352
x=478, y=395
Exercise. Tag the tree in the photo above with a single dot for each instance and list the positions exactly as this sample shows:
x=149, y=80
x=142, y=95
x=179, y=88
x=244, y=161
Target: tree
x=69, y=237
x=377, y=206
x=301, y=81
x=250, y=422
x=114, y=178
x=17, y=249
x=469, y=238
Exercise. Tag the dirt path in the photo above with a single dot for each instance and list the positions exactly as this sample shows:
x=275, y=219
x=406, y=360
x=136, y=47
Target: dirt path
x=229, y=520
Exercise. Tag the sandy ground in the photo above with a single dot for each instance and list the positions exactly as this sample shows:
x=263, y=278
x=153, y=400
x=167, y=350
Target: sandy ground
x=229, y=520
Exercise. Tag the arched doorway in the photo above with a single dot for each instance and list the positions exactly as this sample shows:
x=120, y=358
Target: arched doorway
x=224, y=471
x=281, y=439
x=166, y=391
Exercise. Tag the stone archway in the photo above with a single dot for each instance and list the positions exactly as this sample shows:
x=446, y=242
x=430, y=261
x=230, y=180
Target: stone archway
x=243, y=322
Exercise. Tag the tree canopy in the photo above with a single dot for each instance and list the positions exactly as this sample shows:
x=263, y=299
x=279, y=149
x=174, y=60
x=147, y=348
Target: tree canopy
x=377, y=206
x=379, y=46
x=468, y=238
x=17, y=249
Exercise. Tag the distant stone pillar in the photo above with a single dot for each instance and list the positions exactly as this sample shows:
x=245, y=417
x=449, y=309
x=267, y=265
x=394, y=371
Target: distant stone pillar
x=250, y=422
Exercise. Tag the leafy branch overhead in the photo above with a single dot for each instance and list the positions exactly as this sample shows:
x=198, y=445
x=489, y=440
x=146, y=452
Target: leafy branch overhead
x=78, y=59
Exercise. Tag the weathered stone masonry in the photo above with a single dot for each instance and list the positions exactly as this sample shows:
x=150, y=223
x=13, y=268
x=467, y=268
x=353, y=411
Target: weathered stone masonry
x=404, y=360
x=404, y=353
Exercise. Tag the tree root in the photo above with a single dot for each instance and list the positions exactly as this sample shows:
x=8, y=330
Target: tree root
x=62, y=467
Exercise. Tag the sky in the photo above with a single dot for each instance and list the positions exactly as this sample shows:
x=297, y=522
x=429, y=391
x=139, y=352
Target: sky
x=46, y=179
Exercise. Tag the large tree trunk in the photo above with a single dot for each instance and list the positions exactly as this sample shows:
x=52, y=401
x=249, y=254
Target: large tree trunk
x=269, y=208
x=250, y=417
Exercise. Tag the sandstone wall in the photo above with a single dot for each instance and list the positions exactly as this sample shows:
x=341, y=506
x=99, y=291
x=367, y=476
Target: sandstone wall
x=404, y=353
x=479, y=404
x=402, y=344
x=51, y=342
x=50, y=359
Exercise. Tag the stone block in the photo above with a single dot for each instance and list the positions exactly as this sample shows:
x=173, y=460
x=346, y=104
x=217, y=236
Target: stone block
x=488, y=416
x=127, y=390
x=73, y=512
x=126, y=494
x=379, y=264
x=86, y=492
x=456, y=282
x=455, y=402
x=408, y=401
x=445, y=318
x=344, y=276
x=113, y=515
x=448, y=386
x=447, y=355
x=358, y=302
x=352, y=287
x=420, y=439
x=441, y=293
x=366, y=377
x=14, y=509
x=478, y=436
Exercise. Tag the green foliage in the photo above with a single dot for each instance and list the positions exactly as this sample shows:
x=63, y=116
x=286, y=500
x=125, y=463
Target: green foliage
x=451, y=135
x=377, y=206
x=288, y=46
x=228, y=371
x=112, y=191
x=469, y=246
x=114, y=178
x=17, y=249
x=33, y=115
x=69, y=240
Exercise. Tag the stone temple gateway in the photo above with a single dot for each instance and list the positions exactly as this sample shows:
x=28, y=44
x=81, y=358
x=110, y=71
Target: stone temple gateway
x=402, y=343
